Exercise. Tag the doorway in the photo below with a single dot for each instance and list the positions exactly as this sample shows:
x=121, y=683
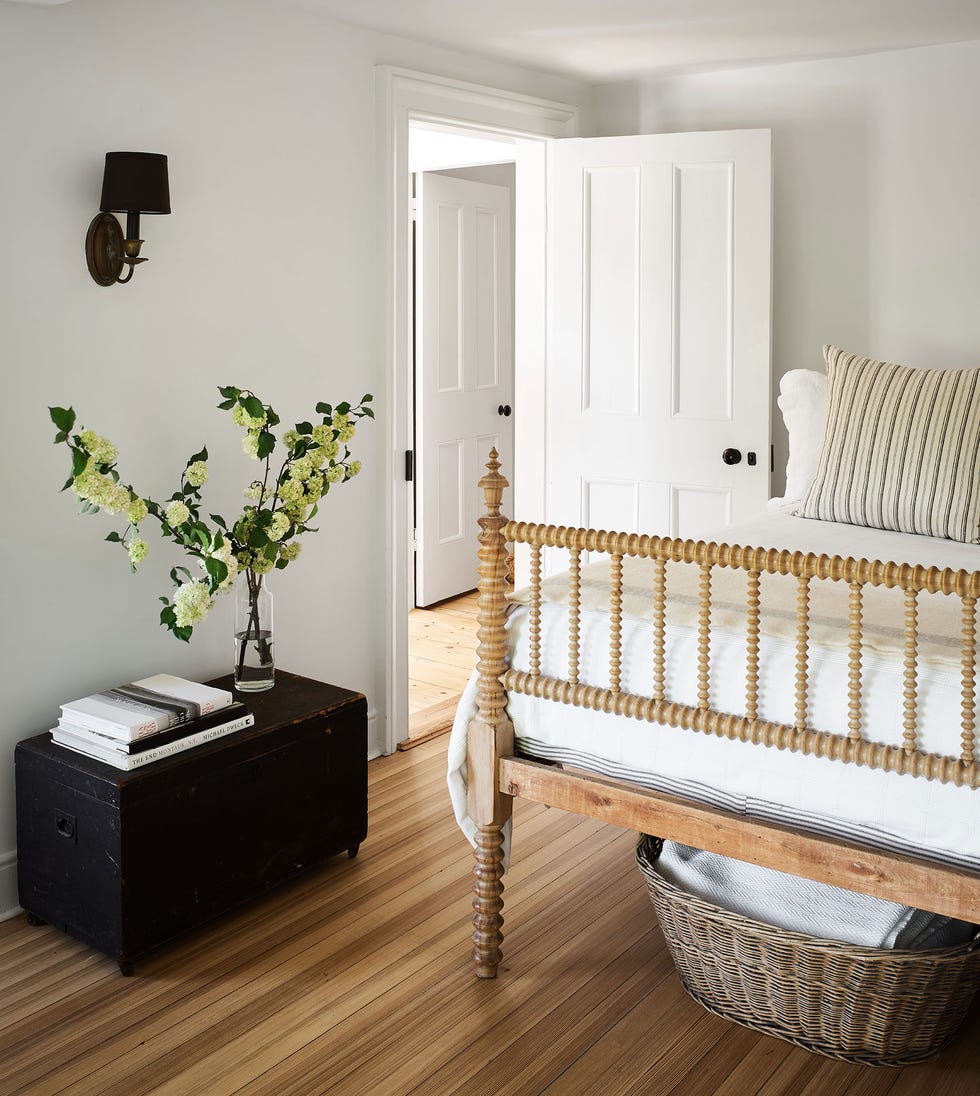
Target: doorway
x=464, y=191
x=406, y=99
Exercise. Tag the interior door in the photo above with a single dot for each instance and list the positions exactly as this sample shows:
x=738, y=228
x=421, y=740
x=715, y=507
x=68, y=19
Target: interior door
x=658, y=380
x=464, y=371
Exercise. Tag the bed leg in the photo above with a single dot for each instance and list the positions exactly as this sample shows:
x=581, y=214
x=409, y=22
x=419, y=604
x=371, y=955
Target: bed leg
x=490, y=736
x=488, y=902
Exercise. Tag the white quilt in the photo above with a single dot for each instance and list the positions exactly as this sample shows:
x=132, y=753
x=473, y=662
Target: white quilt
x=905, y=813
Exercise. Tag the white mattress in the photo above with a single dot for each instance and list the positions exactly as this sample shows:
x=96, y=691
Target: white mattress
x=905, y=813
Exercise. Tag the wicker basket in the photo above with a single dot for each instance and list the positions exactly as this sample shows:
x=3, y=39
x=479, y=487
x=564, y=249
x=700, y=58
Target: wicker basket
x=867, y=1005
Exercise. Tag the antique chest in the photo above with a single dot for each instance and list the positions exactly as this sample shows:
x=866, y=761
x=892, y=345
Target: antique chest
x=129, y=860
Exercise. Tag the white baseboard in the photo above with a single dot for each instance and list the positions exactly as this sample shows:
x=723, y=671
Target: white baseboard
x=8, y=886
x=374, y=736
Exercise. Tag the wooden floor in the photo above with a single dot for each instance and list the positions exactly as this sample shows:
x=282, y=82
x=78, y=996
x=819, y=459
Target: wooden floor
x=356, y=980
x=441, y=656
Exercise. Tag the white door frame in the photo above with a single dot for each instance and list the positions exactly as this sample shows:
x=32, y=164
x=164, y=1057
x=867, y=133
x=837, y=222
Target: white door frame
x=403, y=96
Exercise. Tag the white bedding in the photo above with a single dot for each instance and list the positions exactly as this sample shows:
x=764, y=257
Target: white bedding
x=905, y=813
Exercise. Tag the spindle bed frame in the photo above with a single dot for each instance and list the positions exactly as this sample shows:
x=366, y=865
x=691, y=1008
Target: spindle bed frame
x=495, y=775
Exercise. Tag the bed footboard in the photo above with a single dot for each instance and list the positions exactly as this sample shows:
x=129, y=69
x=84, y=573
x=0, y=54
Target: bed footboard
x=495, y=776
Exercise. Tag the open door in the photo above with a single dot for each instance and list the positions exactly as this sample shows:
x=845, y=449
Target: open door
x=464, y=371
x=659, y=371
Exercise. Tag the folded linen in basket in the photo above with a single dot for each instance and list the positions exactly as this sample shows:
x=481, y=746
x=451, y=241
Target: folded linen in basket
x=802, y=905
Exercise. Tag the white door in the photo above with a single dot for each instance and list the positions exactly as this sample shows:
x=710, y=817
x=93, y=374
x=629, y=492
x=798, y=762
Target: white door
x=660, y=353
x=464, y=371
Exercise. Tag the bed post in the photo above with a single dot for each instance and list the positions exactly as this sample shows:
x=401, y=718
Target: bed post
x=490, y=735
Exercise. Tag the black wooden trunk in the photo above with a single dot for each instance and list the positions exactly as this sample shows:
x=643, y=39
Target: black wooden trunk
x=128, y=860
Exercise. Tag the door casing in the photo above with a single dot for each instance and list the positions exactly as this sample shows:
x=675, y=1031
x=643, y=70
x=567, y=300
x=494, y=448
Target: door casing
x=404, y=96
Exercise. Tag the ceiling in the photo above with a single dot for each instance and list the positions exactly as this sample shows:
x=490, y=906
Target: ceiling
x=606, y=40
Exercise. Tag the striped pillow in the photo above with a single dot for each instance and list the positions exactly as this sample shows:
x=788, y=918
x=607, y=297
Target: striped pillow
x=901, y=449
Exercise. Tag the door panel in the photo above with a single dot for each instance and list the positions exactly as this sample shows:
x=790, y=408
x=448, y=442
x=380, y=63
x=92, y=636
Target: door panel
x=658, y=362
x=464, y=371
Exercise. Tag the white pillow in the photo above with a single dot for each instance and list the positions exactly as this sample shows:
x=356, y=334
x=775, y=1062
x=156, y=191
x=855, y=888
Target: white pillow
x=803, y=402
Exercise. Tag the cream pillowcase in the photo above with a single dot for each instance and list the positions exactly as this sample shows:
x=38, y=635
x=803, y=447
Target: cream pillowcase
x=901, y=449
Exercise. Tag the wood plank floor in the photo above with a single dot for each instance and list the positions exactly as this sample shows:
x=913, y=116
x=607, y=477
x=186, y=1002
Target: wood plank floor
x=356, y=980
x=441, y=656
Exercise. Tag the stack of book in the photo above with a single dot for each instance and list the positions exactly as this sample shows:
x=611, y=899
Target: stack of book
x=134, y=724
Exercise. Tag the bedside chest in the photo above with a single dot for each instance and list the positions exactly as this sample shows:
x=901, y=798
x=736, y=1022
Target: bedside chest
x=129, y=860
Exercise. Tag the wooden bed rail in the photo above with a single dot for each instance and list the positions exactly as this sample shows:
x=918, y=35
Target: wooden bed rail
x=804, y=567
x=494, y=776
x=908, y=880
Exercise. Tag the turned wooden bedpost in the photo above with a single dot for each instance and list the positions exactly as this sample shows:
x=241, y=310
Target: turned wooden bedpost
x=490, y=736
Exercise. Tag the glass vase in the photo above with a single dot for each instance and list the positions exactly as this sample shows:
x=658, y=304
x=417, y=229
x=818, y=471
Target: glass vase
x=255, y=668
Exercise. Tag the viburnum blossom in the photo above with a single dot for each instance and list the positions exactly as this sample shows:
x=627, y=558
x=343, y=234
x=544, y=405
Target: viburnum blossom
x=250, y=444
x=278, y=527
x=263, y=536
x=138, y=550
x=177, y=513
x=192, y=602
x=137, y=511
x=196, y=474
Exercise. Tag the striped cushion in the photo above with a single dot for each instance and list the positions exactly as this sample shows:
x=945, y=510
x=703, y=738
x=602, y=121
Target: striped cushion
x=901, y=449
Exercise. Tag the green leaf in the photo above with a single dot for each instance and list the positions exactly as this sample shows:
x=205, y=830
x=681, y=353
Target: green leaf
x=230, y=392
x=272, y=417
x=301, y=447
x=114, y=537
x=368, y=412
x=203, y=455
x=68, y=483
x=219, y=520
x=324, y=409
x=79, y=458
x=61, y=436
x=257, y=538
x=168, y=615
x=281, y=564
x=267, y=442
x=253, y=405
x=227, y=405
x=216, y=569
x=343, y=408
x=304, y=427
x=183, y=634
x=62, y=417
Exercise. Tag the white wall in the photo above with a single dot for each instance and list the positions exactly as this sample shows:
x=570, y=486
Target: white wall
x=265, y=276
x=876, y=219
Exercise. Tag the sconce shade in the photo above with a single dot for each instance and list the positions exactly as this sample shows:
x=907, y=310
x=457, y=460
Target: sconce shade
x=136, y=181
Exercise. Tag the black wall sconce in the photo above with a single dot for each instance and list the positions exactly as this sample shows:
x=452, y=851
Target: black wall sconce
x=134, y=183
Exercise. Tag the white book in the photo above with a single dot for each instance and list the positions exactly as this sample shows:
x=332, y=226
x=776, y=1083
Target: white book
x=84, y=745
x=144, y=707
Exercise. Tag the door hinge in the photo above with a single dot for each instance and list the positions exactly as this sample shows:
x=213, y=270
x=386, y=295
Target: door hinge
x=409, y=465
x=772, y=458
